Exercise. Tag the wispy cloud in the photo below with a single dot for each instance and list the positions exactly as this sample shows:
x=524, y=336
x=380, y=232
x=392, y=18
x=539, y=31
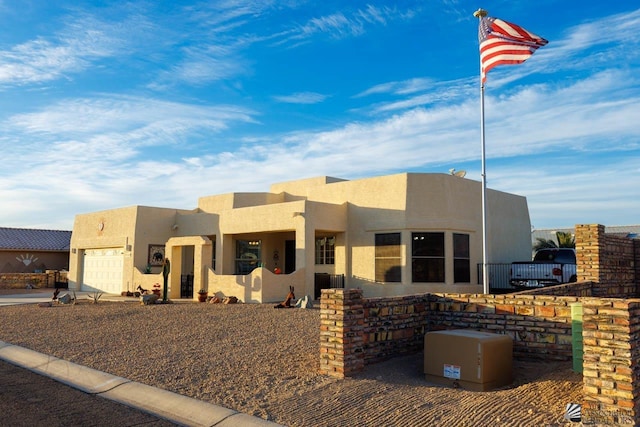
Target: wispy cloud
x=42, y=60
x=340, y=25
x=73, y=117
x=301, y=98
x=406, y=87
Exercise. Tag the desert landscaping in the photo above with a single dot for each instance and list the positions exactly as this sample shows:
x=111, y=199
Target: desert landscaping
x=264, y=362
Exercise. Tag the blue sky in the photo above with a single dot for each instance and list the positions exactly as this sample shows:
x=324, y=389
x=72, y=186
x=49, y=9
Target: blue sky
x=105, y=104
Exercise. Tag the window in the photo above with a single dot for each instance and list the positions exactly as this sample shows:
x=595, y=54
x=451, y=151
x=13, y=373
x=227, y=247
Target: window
x=461, y=259
x=213, y=252
x=388, y=258
x=326, y=250
x=427, y=263
x=247, y=255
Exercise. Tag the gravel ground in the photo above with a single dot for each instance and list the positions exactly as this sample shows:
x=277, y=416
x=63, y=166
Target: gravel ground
x=264, y=362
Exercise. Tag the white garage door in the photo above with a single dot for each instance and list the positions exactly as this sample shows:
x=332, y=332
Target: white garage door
x=102, y=270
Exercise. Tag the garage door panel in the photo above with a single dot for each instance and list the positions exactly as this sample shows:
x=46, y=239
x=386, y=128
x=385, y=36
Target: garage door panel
x=102, y=270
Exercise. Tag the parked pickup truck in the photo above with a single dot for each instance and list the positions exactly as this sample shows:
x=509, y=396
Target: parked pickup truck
x=549, y=267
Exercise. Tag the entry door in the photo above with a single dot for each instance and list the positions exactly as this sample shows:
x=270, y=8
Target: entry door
x=289, y=256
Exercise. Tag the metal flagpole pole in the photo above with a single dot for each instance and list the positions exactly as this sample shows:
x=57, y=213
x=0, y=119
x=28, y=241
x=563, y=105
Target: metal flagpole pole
x=480, y=13
x=485, y=270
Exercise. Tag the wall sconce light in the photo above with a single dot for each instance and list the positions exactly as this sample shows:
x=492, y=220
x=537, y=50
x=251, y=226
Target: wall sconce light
x=174, y=227
x=74, y=250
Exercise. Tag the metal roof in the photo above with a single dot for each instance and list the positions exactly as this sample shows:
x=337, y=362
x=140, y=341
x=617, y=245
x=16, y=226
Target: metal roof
x=34, y=240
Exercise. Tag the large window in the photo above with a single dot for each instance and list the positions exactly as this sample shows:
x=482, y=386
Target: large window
x=326, y=250
x=461, y=259
x=427, y=263
x=388, y=257
x=248, y=255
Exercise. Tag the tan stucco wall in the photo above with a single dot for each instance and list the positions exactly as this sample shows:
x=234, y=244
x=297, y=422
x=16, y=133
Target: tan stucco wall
x=229, y=201
x=352, y=211
x=301, y=187
x=130, y=230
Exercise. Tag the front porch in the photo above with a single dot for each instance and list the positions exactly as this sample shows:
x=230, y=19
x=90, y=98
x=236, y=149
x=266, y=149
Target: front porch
x=255, y=267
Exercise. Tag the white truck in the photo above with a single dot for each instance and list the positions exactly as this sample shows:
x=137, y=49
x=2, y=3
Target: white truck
x=551, y=266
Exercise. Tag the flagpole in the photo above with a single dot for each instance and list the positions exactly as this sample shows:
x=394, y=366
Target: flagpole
x=480, y=13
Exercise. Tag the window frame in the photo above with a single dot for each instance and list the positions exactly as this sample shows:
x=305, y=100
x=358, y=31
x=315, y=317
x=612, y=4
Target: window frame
x=245, y=248
x=325, y=250
x=461, y=259
x=430, y=259
x=388, y=267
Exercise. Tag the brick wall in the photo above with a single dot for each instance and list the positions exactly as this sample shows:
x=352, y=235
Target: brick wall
x=393, y=326
x=357, y=331
x=611, y=349
x=540, y=325
x=38, y=280
x=341, y=335
x=576, y=289
x=610, y=261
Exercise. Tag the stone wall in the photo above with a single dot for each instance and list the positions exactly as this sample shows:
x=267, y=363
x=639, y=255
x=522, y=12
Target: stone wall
x=576, y=289
x=341, y=336
x=540, y=325
x=609, y=261
x=357, y=331
x=37, y=280
x=611, y=349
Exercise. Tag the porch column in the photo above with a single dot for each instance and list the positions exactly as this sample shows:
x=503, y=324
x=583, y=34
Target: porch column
x=202, y=257
x=305, y=254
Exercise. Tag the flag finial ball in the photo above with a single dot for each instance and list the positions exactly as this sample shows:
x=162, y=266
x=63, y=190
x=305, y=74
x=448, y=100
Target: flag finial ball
x=480, y=13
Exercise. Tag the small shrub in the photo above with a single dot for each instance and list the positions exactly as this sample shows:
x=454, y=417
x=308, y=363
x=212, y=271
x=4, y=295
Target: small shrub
x=94, y=297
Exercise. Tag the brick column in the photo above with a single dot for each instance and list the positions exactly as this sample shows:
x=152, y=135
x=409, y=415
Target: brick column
x=589, y=244
x=611, y=374
x=341, y=332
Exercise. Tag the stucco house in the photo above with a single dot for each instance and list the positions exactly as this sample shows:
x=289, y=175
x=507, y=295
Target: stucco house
x=25, y=250
x=390, y=235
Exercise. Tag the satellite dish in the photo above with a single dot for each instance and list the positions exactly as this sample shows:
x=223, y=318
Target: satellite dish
x=460, y=174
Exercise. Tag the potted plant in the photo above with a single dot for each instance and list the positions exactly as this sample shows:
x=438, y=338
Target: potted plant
x=202, y=295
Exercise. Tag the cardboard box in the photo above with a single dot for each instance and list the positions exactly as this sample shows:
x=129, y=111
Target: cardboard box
x=468, y=359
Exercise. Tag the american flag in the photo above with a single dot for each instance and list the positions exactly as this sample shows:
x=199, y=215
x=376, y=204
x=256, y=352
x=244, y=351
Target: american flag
x=504, y=43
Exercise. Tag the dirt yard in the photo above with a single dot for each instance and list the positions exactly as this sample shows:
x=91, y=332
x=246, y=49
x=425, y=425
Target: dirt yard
x=264, y=362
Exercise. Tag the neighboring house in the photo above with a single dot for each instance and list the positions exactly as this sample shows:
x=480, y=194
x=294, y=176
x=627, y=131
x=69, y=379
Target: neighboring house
x=390, y=235
x=24, y=250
